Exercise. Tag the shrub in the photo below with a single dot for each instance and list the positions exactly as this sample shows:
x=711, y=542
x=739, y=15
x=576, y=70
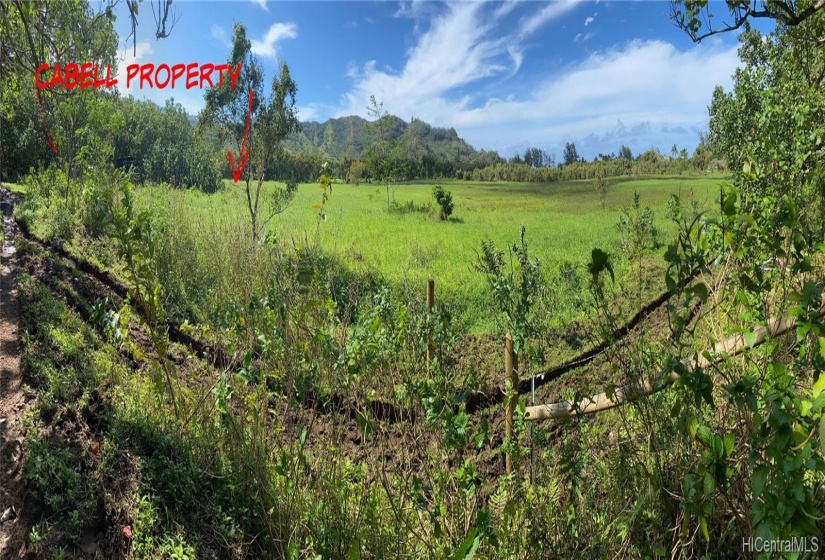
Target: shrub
x=355, y=173
x=444, y=200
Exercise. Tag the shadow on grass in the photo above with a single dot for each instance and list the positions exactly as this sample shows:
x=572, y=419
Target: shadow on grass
x=103, y=478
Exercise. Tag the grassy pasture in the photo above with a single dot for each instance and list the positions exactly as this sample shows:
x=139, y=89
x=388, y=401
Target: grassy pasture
x=563, y=221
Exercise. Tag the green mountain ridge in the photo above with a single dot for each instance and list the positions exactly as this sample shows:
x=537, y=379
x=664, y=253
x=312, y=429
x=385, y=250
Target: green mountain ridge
x=347, y=138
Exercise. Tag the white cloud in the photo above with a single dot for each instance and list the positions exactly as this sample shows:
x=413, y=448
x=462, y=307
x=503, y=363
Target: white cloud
x=650, y=86
x=589, y=20
x=277, y=31
x=412, y=9
x=131, y=55
x=219, y=34
x=307, y=113
x=551, y=11
x=644, y=84
x=261, y=3
x=453, y=74
x=455, y=51
x=506, y=7
x=517, y=56
x=191, y=100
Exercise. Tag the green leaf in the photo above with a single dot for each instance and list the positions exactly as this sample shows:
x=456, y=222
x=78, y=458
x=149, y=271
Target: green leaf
x=670, y=283
x=718, y=447
x=750, y=338
x=729, y=203
x=676, y=409
x=703, y=525
x=700, y=290
x=708, y=484
x=467, y=549
x=705, y=436
x=760, y=477
x=693, y=425
x=822, y=434
x=354, y=550
x=599, y=262
x=783, y=437
x=365, y=424
x=728, y=442
x=819, y=386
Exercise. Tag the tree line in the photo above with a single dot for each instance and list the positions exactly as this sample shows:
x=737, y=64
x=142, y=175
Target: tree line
x=94, y=128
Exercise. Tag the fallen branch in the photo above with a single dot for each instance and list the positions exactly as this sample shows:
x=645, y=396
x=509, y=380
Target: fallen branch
x=482, y=399
x=731, y=346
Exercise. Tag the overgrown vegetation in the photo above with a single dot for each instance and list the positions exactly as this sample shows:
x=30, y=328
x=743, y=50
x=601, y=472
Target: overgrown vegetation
x=317, y=405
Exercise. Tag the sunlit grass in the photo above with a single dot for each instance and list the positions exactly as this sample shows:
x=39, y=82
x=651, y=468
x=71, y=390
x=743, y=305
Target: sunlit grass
x=15, y=187
x=564, y=222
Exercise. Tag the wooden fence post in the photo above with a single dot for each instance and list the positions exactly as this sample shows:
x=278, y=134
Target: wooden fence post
x=511, y=373
x=430, y=305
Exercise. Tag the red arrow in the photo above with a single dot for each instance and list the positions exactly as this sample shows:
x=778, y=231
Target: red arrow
x=49, y=139
x=243, y=155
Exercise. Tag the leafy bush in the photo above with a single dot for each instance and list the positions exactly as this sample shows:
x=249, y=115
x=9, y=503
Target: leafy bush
x=444, y=200
x=637, y=230
x=515, y=291
x=355, y=173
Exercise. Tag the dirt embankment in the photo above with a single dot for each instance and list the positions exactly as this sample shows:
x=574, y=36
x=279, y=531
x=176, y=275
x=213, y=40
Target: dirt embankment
x=13, y=398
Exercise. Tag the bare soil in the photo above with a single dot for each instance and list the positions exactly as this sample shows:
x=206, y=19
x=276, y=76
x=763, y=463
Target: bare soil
x=14, y=397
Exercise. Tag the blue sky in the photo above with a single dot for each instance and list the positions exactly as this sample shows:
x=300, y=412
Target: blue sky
x=505, y=75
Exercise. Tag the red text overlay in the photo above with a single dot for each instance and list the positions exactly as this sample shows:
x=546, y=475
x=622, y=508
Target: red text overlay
x=162, y=76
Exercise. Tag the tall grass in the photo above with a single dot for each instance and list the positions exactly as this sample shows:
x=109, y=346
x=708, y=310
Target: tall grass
x=207, y=262
x=564, y=222
x=271, y=466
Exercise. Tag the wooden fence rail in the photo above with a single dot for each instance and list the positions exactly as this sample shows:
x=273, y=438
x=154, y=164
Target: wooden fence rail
x=627, y=393
x=511, y=375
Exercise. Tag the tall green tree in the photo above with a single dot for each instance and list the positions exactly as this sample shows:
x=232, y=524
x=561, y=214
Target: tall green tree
x=773, y=120
x=625, y=153
x=770, y=127
x=161, y=145
x=271, y=119
x=570, y=153
x=34, y=33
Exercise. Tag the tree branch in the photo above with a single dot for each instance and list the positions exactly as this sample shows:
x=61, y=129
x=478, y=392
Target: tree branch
x=779, y=10
x=163, y=7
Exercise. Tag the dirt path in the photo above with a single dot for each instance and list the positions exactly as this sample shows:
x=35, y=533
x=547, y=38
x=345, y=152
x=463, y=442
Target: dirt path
x=13, y=398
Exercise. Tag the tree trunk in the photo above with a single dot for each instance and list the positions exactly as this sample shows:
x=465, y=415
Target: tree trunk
x=69, y=134
x=253, y=209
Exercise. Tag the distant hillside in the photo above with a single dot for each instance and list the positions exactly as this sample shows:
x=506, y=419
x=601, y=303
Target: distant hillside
x=347, y=137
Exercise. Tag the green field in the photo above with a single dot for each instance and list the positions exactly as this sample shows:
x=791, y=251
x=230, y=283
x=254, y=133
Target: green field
x=563, y=221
